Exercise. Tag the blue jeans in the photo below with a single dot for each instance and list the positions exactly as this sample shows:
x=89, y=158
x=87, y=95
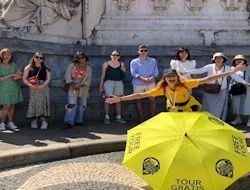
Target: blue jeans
x=75, y=114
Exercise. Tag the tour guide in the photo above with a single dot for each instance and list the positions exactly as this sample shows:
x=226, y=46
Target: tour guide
x=175, y=90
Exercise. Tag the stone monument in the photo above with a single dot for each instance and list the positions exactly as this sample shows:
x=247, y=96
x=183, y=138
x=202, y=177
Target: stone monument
x=32, y=19
x=174, y=22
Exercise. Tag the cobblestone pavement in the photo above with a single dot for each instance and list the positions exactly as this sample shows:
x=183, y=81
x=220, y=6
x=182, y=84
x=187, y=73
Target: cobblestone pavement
x=97, y=172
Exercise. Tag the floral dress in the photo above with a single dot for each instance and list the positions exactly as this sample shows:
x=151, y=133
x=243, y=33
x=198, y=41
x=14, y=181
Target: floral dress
x=10, y=91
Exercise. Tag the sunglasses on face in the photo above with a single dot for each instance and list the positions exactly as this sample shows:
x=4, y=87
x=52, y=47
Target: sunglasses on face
x=115, y=55
x=143, y=50
x=37, y=57
x=81, y=57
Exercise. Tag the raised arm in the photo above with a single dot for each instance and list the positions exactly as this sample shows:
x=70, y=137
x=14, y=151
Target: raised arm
x=116, y=99
x=217, y=76
x=199, y=71
x=238, y=79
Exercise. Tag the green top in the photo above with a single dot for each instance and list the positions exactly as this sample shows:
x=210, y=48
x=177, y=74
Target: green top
x=10, y=91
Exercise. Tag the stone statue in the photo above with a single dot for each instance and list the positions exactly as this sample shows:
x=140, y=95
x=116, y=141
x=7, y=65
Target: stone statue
x=18, y=14
x=123, y=4
x=159, y=4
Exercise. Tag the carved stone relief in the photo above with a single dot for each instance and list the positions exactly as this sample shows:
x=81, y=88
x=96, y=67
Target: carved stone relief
x=231, y=5
x=195, y=5
x=34, y=16
x=124, y=4
x=159, y=4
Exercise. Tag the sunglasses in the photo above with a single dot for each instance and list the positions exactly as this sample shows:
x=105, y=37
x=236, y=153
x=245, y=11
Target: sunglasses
x=81, y=57
x=143, y=50
x=115, y=55
x=37, y=57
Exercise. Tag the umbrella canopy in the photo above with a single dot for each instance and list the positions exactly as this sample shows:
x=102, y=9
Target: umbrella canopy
x=187, y=151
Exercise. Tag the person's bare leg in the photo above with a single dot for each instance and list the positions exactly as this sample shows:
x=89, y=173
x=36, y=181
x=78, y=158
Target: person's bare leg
x=11, y=112
x=106, y=108
x=5, y=112
x=118, y=107
x=139, y=107
x=152, y=106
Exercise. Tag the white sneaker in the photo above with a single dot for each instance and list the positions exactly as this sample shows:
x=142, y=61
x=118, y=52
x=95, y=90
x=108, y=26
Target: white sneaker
x=44, y=125
x=248, y=123
x=2, y=127
x=236, y=121
x=34, y=125
x=11, y=126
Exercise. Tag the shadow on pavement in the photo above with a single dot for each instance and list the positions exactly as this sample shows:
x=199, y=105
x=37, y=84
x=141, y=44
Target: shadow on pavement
x=39, y=138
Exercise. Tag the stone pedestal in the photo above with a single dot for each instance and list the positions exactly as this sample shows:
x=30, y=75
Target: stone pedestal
x=173, y=22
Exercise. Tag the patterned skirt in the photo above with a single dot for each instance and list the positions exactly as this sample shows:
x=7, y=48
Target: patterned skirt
x=39, y=103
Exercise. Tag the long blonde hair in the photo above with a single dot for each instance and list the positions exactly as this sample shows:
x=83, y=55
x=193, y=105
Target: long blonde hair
x=31, y=64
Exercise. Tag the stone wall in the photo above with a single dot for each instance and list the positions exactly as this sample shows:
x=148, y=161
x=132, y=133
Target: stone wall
x=128, y=22
x=59, y=56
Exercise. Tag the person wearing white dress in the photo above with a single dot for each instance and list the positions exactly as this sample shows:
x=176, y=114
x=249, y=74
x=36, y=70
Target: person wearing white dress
x=217, y=103
x=183, y=63
x=241, y=103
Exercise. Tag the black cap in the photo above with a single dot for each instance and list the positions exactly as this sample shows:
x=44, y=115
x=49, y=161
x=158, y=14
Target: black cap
x=167, y=72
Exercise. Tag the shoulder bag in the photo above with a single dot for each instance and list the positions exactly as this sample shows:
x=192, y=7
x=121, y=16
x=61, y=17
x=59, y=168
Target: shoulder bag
x=238, y=88
x=213, y=88
x=34, y=80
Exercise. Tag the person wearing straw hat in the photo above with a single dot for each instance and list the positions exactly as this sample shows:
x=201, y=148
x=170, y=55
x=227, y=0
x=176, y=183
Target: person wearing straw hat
x=241, y=102
x=217, y=103
x=176, y=90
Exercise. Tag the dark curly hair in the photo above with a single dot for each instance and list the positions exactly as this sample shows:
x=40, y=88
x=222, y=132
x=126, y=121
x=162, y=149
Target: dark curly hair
x=78, y=55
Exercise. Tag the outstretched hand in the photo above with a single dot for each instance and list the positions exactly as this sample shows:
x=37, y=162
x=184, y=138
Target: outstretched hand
x=239, y=67
x=113, y=100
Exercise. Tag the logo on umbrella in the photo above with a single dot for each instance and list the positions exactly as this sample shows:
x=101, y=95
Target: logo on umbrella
x=150, y=166
x=225, y=168
x=215, y=120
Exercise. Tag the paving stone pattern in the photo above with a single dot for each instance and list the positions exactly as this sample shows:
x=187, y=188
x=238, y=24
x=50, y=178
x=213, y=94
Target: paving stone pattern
x=97, y=172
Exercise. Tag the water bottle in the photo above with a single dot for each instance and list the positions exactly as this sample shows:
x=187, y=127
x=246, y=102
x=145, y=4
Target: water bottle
x=103, y=94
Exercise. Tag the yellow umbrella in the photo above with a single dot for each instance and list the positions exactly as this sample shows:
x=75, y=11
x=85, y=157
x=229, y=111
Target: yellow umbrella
x=187, y=151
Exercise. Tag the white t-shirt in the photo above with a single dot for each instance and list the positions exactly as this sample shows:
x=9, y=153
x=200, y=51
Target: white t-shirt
x=183, y=67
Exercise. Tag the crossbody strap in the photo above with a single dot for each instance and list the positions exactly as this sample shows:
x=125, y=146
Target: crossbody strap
x=38, y=71
x=222, y=77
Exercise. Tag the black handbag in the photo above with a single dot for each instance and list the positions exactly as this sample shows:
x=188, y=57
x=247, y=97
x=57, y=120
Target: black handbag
x=238, y=88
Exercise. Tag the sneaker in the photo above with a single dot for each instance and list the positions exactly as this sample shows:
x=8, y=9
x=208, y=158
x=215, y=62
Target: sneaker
x=248, y=123
x=34, y=125
x=2, y=127
x=66, y=126
x=236, y=121
x=106, y=121
x=44, y=125
x=120, y=120
x=11, y=126
x=80, y=124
